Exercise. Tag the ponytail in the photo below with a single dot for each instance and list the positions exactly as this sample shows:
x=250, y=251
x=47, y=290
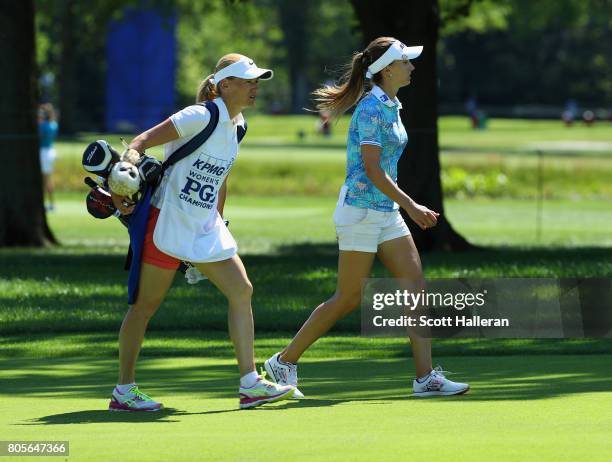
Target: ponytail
x=338, y=98
x=207, y=90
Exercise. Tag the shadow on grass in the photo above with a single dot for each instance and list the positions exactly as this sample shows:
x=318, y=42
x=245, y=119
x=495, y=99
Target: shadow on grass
x=105, y=416
x=216, y=344
x=98, y=269
x=166, y=415
x=59, y=291
x=327, y=383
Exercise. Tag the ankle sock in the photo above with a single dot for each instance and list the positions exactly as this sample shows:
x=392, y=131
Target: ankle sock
x=248, y=380
x=423, y=379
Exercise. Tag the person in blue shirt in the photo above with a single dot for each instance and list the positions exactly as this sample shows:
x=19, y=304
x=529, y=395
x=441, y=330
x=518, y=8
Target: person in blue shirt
x=47, y=132
x=367, y=218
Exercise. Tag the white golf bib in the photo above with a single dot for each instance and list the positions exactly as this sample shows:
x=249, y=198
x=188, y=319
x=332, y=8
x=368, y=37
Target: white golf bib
x=189, y=226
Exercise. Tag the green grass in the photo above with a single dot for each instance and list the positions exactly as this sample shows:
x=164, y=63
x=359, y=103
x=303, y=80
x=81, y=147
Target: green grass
x=564, y=223
x=525, y=135
x=531, y=400
x=498, y=162
x=455, y=134
x=290, y=254
x=544, y=408
x=86, y=292
x=216, y=344
x=263, y=224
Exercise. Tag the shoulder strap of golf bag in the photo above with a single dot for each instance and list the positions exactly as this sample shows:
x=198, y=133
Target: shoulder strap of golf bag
x=198, y=140
x=137, y=225
x=241, y=131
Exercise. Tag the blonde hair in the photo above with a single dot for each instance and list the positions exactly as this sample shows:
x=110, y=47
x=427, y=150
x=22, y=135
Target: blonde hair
x=207, y=90
x=338, y=98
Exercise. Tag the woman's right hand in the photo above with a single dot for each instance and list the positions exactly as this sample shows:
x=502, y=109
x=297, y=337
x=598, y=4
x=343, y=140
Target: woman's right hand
x=422, y=216
x=123, y=203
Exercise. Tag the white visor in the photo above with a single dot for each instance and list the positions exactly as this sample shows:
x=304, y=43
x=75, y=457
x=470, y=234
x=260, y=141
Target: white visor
x=243, y=69
x=397, y=51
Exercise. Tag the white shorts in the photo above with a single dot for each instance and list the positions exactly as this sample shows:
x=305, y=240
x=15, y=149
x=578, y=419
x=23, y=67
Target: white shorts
x=47, y=159
x=364, y=230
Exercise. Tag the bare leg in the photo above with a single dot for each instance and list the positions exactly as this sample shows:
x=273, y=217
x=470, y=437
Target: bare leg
x=231, y=279
x=48, y=187
x=153, y=286
x=353, y=267
x=401, y=258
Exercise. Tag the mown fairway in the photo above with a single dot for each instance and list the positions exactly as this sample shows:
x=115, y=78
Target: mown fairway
x=544, y=400
x=519, y=409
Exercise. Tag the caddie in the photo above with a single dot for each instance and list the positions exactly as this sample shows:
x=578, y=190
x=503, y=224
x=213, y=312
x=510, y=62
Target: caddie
x=185, y=222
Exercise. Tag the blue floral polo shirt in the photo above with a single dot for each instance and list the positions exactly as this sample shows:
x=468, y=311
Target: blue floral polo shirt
x=376, y=121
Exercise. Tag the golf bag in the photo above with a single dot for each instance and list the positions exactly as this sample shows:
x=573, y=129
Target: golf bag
x=136, y=222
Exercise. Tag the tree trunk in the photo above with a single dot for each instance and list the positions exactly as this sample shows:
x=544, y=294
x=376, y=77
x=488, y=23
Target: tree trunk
x=67, y=73
x=293, y=21
x=415, y=22
x=22, y=215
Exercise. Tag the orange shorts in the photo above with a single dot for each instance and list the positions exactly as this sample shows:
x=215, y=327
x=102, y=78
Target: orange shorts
x=150, y=253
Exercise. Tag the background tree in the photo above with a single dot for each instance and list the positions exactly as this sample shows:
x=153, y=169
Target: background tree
x=294, y=20
x=207, y=30
x=72, y=41
x=512, y=52
x=416, y=22
x=22, y=215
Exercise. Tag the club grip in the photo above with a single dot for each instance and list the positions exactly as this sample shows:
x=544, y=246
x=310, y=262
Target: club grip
x=90, y=182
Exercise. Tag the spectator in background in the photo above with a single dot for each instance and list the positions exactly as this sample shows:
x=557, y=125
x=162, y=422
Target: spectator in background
x=325, y=123
x=478, y=117
x=324, y=126
x=570, y=112
x=471, y=107
x=47, y=132
x=588, y=117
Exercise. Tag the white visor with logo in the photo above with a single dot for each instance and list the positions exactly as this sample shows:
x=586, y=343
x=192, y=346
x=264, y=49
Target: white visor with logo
x=243, y=69
x=397, y=51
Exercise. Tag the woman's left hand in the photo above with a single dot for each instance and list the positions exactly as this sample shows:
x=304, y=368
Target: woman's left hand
x=423, y=216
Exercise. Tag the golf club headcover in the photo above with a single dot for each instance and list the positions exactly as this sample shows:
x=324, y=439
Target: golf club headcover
x=149, y=168
x=99, y=158
x=124, y=179
x=99, y=202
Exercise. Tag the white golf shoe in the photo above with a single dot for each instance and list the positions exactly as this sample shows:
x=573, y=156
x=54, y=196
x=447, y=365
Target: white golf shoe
x=283, y=373
x=437, y=384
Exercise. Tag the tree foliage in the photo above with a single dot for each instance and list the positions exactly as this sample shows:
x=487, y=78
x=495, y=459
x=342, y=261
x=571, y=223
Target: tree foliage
x=520, y=51
x=506, y=52
x=300, y=41
x=211, y=29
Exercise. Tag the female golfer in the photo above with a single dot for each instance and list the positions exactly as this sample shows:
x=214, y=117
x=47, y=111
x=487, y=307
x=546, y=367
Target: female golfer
x=185, y=223
x=367, y=217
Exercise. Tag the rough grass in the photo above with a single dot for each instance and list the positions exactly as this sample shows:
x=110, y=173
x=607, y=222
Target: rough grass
x=499, y=162
x=289, y=251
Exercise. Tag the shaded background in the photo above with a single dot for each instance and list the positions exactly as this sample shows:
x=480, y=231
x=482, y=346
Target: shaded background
x=516, y=57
